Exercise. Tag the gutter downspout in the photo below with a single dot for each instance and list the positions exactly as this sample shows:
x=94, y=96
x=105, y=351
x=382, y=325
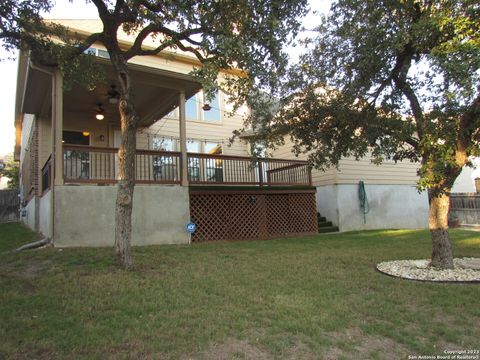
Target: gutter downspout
x=53, y=149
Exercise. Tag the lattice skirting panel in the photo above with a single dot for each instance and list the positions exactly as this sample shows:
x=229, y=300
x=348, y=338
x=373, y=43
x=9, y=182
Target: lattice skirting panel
x=225, y=215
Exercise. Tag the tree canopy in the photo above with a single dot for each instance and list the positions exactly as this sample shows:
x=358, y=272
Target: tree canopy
x=248, y=35
x=392, y=79
x=11, y=171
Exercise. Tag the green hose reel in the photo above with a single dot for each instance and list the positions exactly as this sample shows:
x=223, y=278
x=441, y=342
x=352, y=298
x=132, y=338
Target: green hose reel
x=362, y=196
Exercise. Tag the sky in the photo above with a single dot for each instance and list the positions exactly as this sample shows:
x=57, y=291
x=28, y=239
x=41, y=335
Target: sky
x=64, y=9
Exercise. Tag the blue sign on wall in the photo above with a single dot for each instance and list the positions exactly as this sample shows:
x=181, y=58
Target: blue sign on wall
x=191, y=227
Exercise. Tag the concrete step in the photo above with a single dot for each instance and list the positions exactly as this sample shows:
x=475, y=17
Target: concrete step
x=321, y=218
x=328, y=229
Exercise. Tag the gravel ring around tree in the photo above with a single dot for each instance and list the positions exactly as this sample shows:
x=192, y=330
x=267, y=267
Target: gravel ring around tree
x=465, y=270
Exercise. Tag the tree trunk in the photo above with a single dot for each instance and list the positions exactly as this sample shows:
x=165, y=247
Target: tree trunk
x=126, y=173
x=442, y=254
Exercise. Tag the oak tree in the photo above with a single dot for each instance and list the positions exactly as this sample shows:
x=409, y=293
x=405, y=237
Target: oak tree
x=248, y=35
x=393, y=80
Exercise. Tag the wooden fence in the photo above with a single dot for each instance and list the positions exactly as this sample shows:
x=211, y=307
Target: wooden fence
x=465, y=208
x=9, y=206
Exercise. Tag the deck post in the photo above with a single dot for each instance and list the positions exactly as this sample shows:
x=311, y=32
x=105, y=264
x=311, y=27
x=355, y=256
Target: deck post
x=183, y=139
x=260, y=172
x=57, y=127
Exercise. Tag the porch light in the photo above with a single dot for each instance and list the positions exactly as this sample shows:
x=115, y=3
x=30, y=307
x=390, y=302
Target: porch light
x=99, y=112
x=85, y=133
x=113, y=95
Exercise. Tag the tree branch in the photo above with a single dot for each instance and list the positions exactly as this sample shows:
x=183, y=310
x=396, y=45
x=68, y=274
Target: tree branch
x=102, y=10
x=118, y=7
x=399, y=77
x=465, y=131
x=176, y=39
x=377, y=93
x=89, y=41
x=151, y=7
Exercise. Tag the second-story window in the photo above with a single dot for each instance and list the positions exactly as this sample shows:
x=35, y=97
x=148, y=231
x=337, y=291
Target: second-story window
x=213, y=114
x=191, y=108
x=194, y=108
x=97, y=52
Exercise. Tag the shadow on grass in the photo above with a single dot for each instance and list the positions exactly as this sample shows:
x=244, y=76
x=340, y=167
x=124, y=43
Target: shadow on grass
x=313, y=296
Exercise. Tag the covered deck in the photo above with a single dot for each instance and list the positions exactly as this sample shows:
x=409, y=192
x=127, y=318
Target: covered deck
x=59, y=157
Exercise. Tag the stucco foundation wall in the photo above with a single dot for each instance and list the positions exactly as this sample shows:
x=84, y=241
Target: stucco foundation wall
x=85, y=215
x=391, y=206
x=45, y=214
x=29, y=218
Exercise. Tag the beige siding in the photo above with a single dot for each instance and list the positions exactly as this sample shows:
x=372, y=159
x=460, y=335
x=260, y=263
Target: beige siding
x=44, y=140
x=160, y=63
x=196, y=130
x=203, y=131
x=319, y=177
x=95, y=25
x=389, y=173
x=199, y=130
x=27, y=128
x=351, y=171
x=87, y=122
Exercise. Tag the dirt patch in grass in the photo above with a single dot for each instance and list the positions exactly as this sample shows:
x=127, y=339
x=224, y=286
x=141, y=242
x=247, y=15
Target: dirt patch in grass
x=128, y=350
x=25, y=269
x=231, y=349
x=242, y=349
x=38, y=352
x=445, y=319
x=299, y=351
x=362, y=346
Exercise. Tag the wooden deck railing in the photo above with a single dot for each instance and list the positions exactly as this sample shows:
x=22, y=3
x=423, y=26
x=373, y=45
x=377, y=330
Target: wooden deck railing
x=47, y=175
x=87, y=164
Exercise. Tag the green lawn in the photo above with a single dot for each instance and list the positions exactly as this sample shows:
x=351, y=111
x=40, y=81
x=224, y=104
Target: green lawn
x=299, y=298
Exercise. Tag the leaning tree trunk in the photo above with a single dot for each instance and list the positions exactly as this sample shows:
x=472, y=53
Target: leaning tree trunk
x=442, y=254
x=126, y=174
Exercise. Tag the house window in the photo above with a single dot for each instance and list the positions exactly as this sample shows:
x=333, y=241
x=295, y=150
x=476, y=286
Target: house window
x=90, y=51
x=103, y=54
x=213, y=148
x=259, y=149
x=193, y=146
x=213, y=167
x=76, y=163
x=76, y=138
x=97, y=52
x=164, y=168
x=214, y=113
x=191, y=112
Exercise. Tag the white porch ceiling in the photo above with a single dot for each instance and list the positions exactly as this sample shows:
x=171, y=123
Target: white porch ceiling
x=155, y=93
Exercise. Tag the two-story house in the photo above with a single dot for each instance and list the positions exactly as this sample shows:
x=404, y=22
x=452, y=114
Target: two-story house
x=67, y=142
